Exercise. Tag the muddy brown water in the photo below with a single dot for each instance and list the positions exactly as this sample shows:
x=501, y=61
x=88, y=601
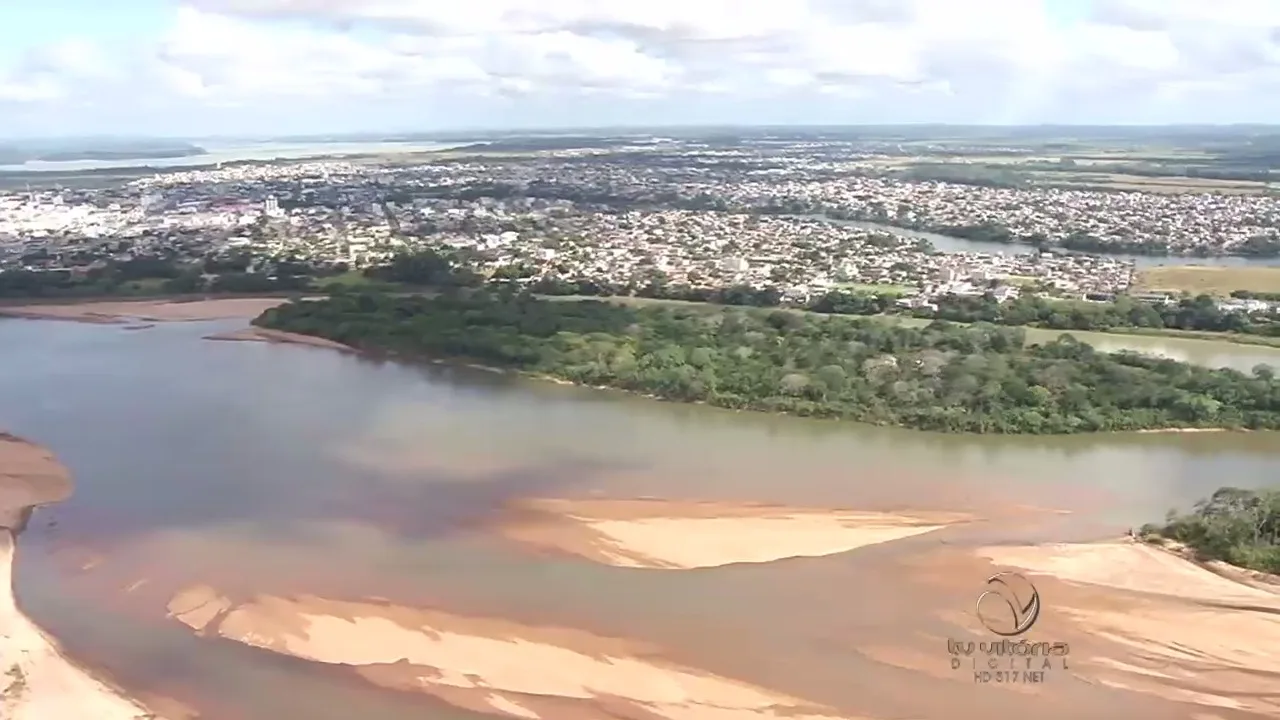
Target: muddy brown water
x=277, y=469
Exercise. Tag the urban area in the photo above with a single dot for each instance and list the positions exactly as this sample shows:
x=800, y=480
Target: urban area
x=791, y=220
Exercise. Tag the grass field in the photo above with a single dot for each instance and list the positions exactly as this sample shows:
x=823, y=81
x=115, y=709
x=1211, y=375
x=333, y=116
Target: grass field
x=1198, y=279
x=1142, y=183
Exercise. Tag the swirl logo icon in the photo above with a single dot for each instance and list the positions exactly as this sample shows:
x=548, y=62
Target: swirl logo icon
x=1010, y=605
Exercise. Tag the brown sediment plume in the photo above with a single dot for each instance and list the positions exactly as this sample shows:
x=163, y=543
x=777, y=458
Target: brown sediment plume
x=1184, y=633
x=257, y=334
x=152, y=311
x=488, y=664
x=676, y=535
x=36, y=681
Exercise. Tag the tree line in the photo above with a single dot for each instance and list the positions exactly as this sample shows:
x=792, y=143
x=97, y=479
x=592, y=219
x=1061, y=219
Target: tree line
x=1241, y=527
x=1200, y=314
x=944, y=377
x=432, y=269
x=145, y=275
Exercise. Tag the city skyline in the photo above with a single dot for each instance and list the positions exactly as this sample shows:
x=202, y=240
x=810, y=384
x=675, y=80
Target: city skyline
x=270, y=67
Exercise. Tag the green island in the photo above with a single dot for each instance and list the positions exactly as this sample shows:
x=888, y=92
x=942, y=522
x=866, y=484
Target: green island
x=977, y=378
x=1237, y=526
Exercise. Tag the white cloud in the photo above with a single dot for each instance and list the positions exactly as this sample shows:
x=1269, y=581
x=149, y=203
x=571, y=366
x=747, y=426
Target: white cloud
x=980, y=59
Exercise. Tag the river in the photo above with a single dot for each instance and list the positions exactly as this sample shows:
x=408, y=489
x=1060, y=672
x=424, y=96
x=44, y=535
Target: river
x=284, y=469
x=952, y=244
x=230, y=153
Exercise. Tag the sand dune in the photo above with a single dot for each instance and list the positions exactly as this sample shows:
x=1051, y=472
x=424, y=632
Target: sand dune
x=121, y=311
x=485, y=664
x=1184, y=632
x=677, y=535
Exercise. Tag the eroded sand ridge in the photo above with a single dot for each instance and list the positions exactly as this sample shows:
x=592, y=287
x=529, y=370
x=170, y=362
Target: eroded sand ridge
x=686, y=535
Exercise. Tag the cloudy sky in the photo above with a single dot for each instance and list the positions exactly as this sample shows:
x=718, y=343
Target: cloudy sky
x=302, y=66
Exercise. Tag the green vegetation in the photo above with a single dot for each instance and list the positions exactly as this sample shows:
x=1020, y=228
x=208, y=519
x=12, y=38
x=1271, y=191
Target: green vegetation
x=1241, y=527
x=1199, y=314
x=233, y=274
x=977, y=378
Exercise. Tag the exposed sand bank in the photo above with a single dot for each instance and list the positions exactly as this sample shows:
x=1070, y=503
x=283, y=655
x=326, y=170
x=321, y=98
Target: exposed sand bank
x=1184, y=633
x=257, y=334
x=485, y=664
x=36, y=681
x=677, y=535
x=1131, y=566
x=29, y=476
x=134, y=311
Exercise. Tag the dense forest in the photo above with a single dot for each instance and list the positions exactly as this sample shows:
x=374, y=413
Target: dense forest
x=1241, y=527
x=978, y=378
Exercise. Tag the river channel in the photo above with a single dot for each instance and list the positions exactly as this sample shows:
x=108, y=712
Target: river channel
x=952, y=244
x=283, y=469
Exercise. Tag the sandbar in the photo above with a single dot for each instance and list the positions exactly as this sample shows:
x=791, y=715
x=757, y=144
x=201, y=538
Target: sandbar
x=267, y=335
x=134, y=311
x=1132, y=566
x=29, y=476
x=685, y=535
x=36, y=681
x=487, y=664
x=1185, y=633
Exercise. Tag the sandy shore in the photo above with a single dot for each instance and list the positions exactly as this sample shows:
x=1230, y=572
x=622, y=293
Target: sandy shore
x=676, y=535
x=1176, y=629
x=487, y=664
x=257, y=334
x=29, y=476
x=36, y=681
x=133, y=311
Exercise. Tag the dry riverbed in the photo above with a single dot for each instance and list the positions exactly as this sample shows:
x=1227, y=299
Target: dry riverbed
x=488, y=665
x=1173, y=629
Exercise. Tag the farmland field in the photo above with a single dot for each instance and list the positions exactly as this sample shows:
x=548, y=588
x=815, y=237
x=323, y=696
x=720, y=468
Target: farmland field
x=1197, y=279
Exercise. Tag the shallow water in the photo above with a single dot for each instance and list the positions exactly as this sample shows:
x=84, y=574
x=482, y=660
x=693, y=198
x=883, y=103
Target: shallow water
x=284, y=469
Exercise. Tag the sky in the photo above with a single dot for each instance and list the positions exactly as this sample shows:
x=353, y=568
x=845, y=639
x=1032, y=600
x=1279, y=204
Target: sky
x=264, y=67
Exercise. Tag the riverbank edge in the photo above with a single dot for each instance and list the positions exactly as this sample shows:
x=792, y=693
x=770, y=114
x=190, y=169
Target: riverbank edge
x=276, y=335
x=24, y=308
x=1021, y=243
x=91, y=691
x=1221, y=568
